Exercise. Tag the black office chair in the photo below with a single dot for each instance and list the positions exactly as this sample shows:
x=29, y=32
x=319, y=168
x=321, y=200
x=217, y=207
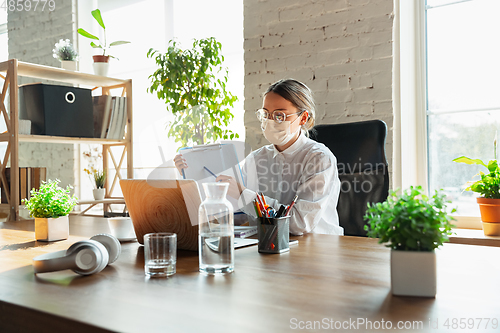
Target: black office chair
x=360, y=151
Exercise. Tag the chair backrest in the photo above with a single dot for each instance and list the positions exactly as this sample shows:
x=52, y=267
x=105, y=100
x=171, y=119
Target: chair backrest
x=360, y=151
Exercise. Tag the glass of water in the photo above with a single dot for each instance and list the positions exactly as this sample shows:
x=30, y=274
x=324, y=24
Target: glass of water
x=160, y=254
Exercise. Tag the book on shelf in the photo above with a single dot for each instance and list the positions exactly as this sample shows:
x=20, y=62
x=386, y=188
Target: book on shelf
x=113, y=117
x=29, y=178
x=116, y=128
x=101, y=106
x=110, y=116
x=124, y=119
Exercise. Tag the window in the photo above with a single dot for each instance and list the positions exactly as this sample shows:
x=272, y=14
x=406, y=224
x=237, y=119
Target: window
x=182, y=20
x=151, y=24
x=463, y=99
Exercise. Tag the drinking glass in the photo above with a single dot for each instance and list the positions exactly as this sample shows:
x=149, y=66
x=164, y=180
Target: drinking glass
x=160, y=254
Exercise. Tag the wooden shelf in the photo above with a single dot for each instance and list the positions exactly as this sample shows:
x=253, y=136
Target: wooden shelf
x=62, y=75
x=4, y=137
x=11, y=70
x=473, y=237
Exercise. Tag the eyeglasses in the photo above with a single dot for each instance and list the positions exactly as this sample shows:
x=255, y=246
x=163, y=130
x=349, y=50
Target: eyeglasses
x=277, y=116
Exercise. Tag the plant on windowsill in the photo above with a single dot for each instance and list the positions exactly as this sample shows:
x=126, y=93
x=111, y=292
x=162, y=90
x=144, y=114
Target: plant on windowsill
x=50, y=206
x=488, y=186
x=101, y=62
x=193, y=84
x=414, y=225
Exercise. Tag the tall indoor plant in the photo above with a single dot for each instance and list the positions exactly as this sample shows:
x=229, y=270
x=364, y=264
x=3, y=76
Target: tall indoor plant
x=488, y=186
x=192, y=82
x=101, y=62
x=414, y=225
x=50, y=206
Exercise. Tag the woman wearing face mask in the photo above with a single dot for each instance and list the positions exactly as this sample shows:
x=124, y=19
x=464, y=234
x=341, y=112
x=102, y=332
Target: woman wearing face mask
x=291, y=165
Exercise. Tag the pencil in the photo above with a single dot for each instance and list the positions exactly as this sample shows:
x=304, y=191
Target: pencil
x=291, y=205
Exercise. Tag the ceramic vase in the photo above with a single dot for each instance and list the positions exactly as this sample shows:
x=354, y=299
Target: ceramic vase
x=101, y=65
x=51, y=229
x=69, y=65
x=99, y=193
x=413, y=273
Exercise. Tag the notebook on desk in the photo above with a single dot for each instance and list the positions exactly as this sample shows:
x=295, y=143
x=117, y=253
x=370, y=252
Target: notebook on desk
x=169, y=205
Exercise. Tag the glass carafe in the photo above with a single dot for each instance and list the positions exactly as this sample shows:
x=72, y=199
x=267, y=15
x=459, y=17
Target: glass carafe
x=216, y=231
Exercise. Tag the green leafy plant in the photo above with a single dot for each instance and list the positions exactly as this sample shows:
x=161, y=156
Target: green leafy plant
x=489, y=183
x=64, y=50
x=411, y=221
x=101, y=44
x=50, y=201
x=192, y=82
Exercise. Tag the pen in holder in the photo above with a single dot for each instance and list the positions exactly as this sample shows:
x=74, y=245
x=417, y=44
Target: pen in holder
x=274, y=234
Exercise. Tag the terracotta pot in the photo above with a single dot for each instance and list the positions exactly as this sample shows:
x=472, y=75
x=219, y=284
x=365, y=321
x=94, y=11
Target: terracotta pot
x=490, y=209
x=490, y=215
x=100, y=58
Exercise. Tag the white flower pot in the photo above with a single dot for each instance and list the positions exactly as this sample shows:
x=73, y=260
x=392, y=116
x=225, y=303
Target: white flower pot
x=101, y=68
x=413, y=273
x=68, y=64
x=51, y=229
x=99, y=193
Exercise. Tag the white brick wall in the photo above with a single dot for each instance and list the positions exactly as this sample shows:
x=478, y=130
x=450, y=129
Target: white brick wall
x=32, y=35
x=342, y=49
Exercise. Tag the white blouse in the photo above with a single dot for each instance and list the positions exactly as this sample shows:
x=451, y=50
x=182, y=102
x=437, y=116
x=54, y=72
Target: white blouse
x=307, y=169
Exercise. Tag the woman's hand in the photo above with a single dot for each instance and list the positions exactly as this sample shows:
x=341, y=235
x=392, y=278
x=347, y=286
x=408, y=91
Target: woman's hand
x=235, y=188
x=180, y=163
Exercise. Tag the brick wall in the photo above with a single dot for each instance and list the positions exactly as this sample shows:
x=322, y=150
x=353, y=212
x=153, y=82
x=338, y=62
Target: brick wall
x=341, y=49
x=32, y=35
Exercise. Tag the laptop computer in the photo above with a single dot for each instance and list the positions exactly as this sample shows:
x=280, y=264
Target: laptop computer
x=169, y=205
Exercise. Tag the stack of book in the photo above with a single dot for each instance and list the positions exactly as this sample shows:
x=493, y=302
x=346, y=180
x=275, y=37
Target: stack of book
x=110, y=116
x=29, y=178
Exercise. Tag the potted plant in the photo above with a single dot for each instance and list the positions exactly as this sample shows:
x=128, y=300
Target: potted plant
x=66, y=54
x=488, y=186
x=101, y=62
x=193, y=84
x=50, y=207
x=414, y=225
x=97, y=177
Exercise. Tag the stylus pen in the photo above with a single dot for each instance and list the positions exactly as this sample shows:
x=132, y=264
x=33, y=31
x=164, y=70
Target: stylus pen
x=213, y=174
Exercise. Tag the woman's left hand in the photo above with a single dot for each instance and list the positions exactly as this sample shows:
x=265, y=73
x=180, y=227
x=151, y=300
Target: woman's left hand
x=235, y=188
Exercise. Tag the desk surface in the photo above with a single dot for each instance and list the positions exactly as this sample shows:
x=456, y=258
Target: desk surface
x=324, y=277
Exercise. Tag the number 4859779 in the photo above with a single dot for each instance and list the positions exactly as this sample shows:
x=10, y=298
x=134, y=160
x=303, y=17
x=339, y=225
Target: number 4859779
x=28, y=5
x=471, y=323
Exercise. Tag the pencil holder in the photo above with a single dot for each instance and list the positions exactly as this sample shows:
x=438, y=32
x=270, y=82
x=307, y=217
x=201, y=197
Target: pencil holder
x=274, y=234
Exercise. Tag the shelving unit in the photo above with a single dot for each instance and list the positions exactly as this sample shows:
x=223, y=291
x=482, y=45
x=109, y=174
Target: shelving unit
x=9, y=72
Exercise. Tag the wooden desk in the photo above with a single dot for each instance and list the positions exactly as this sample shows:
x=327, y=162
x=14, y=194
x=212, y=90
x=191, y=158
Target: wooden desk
x=332, y=277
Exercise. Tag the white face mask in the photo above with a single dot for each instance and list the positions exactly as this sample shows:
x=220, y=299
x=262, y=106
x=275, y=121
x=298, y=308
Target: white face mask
x=278, y=134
